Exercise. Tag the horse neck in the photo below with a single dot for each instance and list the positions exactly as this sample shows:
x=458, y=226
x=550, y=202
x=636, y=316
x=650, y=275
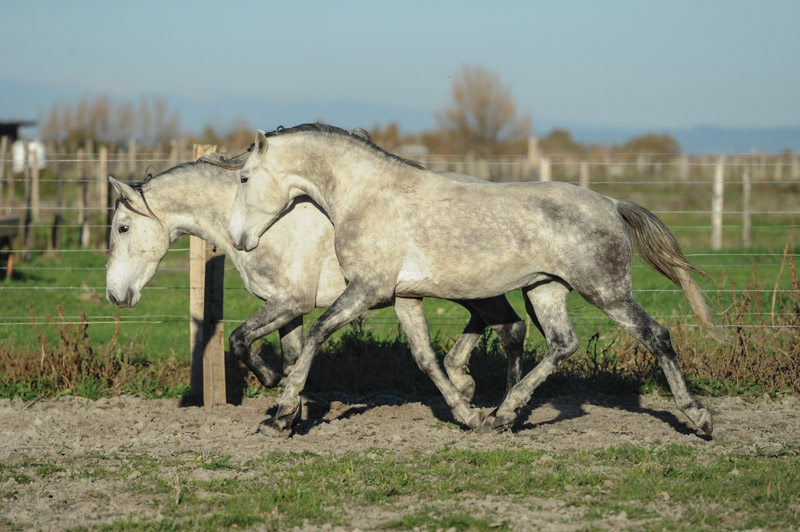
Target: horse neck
x=195, y=203
x=331, y=172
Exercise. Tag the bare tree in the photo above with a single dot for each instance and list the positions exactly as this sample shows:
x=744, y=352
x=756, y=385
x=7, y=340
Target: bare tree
x=387, y=137
x=145, y=126
x=99, y=119
x=124, y=122
x=50, y=128
x=482, y=118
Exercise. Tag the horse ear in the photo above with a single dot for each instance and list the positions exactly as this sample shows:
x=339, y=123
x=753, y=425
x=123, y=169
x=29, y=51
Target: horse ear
x=126, y=191
x=261, y=142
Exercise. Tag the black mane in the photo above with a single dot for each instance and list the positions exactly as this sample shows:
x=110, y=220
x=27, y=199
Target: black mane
x=325, y=128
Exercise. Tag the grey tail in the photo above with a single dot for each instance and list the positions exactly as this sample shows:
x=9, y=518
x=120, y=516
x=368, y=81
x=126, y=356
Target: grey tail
x=658, y=248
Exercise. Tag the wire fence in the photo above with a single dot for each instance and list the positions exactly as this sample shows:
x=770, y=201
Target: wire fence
x=63, y=210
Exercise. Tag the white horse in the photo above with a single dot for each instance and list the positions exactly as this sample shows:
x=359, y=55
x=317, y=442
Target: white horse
x=403, y=233
x=294, y=271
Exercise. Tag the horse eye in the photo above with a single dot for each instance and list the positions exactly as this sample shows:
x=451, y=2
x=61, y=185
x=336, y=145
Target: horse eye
x=244, y=180
x=123, y=228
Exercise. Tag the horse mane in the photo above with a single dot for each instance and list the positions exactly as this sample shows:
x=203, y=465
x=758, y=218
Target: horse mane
x=229, y=163
x=141, y=186
x=358, y=134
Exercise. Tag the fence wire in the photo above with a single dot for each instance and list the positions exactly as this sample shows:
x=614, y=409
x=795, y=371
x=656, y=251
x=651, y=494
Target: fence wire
x=625, y=175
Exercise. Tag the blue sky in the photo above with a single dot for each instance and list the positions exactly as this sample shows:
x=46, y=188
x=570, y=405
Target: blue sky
x=590, y=63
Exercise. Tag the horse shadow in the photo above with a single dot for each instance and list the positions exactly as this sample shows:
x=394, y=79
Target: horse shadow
x=573, y=407
x=316, y=406
x=318, y=401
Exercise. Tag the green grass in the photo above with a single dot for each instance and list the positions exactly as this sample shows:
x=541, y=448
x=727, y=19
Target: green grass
x=164, y=304
x=708, y=488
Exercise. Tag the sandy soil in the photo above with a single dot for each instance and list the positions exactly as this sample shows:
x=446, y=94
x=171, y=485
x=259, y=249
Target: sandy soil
x=64, y=430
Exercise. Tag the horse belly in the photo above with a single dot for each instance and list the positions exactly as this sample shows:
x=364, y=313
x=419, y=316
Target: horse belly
x=418, y=279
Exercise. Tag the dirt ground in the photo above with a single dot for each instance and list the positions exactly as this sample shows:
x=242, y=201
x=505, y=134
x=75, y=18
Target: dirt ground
x=65, y=429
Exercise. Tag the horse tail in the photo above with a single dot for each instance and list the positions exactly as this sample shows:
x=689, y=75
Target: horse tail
x=658, y=248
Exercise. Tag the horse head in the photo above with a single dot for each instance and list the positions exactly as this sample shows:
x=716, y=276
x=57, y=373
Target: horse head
x=138, y=243
x=260, y=197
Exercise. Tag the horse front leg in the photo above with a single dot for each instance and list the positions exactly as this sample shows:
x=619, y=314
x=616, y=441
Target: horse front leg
x=412, y=318
x=550, y=303
x=356, y=299
x=291, y=343
x=264, y=321
x=456, y=362
x=498, y=314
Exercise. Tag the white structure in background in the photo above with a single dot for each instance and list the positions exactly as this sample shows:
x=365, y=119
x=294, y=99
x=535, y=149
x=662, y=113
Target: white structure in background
x=18, y=155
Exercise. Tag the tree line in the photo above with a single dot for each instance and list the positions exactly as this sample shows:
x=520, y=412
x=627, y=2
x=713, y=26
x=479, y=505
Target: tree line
x=480, y=119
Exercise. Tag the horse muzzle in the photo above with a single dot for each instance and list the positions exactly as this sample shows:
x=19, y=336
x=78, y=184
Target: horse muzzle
x=128, y=301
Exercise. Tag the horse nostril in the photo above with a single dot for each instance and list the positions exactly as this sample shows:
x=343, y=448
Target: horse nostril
x=122, y=303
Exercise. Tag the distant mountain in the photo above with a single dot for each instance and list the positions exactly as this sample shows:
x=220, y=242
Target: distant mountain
x=22, y=100
x=710, y=139
x=700, y=139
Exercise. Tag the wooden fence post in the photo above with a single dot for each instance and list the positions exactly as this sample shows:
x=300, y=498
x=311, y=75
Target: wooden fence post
x=207, y=339
x=173, y=153
x=716, y=205
x=544, y=169
x=84, y=212
x=746, y=207
x=583, y=174
x=532, y=162
x=779, y=168
x=27, y=233
x=34, y=155
x=3, y=148
x=104, y=199
x=131, y=159
x=683, y=167
x=91, y=169
x=11, y=193
x=59, y=217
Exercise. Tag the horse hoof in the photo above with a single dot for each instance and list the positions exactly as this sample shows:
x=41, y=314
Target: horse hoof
x=502, y=424
x=702, y=419
x=488, y=423
x=706, y=423
x=497, y=425
x=274, y=428
x=281, y=423
x=475, y=418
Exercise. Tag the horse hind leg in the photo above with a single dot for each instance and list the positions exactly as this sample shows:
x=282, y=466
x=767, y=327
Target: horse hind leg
x=656, y=338
x=456, y=362
x=548, y=309
x=411, y=315
x=497, y=313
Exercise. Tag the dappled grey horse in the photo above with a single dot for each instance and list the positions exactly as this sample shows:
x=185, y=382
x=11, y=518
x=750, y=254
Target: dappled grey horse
x=403, y=233
x=293, y=271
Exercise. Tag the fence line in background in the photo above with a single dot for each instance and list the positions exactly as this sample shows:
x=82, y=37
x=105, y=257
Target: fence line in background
x=743, y=170
x=78, y=187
